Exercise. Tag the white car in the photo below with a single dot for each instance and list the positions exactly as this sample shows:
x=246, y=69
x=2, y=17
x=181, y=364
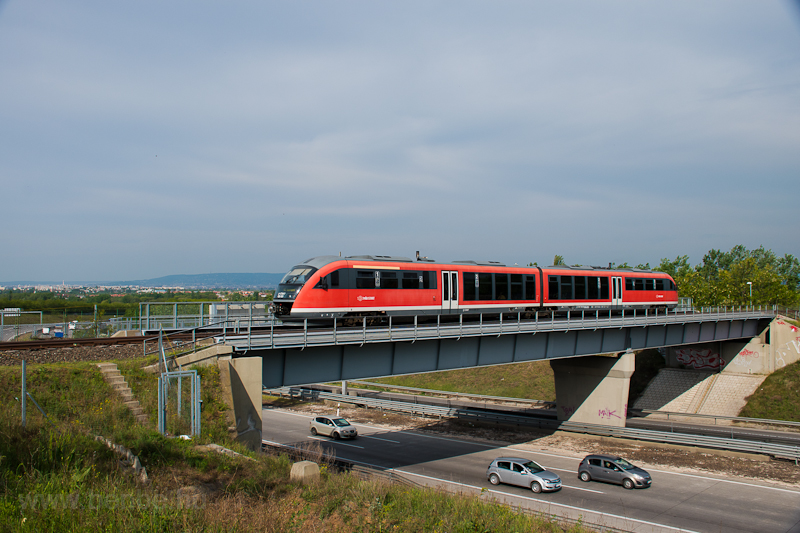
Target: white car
x=333, y=426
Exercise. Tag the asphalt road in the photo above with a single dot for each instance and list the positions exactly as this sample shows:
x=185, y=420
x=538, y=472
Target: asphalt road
x=791, y=438
x=676, y=501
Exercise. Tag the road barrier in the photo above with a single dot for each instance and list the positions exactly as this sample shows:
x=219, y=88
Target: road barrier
x=780, y=451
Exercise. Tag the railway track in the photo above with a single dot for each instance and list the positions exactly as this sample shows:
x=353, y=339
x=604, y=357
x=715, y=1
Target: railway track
x=150, y=336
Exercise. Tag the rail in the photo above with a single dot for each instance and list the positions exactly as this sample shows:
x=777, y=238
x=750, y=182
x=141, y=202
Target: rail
x=673, y=414
x=305, y=337
x=781, y=451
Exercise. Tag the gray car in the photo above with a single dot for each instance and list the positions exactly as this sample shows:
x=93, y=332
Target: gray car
x=522, y=472
x=613, y=469
x=333, y=426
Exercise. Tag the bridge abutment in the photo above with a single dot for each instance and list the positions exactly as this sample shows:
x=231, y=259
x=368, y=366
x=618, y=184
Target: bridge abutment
x=243, y=374
x=593, y=389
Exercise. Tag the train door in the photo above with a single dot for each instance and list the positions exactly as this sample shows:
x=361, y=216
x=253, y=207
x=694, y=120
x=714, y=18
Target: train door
x=616, y=292
x=449, y=292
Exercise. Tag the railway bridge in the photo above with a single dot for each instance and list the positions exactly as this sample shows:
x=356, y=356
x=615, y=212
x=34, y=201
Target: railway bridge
x=590, y=387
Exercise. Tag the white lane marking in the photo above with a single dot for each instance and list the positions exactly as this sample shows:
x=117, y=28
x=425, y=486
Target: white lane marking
x=579, y=459
x=581, y=488
x=662, y=472
x=335, y=442
x=378, y=438
x=726, y=481
x=548, y=502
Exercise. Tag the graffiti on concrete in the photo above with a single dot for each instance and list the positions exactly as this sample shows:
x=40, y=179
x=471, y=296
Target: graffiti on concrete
x=745, y=357
x=699, y=359
x=608, y=413
x=568, y=410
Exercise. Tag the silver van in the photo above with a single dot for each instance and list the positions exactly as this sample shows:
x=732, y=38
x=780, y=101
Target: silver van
x=522, y=472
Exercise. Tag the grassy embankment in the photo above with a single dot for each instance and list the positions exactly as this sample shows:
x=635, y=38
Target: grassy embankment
x=532, y=380
x=61, y=479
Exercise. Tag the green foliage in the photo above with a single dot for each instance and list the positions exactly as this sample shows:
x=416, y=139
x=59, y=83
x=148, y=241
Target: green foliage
x=64, y=480
x=727, y=278
x=558, y=260
x=778, y=398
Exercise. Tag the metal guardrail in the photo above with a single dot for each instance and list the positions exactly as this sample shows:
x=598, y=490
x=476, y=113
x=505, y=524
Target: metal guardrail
x=766, y=421
x=579, y=320
x=483, y=397
x=390, y=476
x=781, y=451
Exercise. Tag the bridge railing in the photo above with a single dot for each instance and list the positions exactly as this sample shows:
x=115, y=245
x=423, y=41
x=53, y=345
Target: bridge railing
x=486, y=324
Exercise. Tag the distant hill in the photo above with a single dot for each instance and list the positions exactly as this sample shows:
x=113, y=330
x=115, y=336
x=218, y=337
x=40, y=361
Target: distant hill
x=210, y=281
x=188, y=281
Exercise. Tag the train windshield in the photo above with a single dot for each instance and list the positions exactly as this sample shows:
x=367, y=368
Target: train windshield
x=298, y=275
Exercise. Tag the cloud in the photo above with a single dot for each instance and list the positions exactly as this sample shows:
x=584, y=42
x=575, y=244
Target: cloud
x=276, y=132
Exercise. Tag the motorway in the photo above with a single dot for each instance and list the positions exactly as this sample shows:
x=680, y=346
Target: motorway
x=791, y=438
x=676, y=502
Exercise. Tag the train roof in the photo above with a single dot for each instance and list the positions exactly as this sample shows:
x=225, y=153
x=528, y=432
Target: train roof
x=319, y=262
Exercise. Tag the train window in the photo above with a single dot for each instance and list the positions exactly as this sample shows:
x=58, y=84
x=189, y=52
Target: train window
x=501, y=286
x=580, y=287
x=365, y=279
x=335, y=279
x=566, y=288
x=388, y=280
x=484, y=286
x=553, y=287
x=650, y=284
x=603, y=288
x=592, y=288
x=628, y=284
x=429, y=279
x=638, y=284
x=412, y=280
x=530, y=287
x=516, y=287
x=470, y=286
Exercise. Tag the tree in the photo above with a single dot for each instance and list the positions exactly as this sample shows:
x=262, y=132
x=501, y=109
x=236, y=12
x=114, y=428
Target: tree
x=558, y=260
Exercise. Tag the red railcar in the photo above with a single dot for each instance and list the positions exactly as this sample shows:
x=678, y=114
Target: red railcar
x=358, y=286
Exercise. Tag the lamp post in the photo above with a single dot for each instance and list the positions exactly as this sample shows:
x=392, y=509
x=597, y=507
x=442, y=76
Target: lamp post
x=751, y=292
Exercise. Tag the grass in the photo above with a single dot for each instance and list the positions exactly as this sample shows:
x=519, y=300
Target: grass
x=778, y=398
x=532, y=380
x=60, y=479
x=523, y=380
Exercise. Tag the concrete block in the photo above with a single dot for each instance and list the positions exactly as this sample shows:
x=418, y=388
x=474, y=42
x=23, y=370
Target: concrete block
x=304, y=472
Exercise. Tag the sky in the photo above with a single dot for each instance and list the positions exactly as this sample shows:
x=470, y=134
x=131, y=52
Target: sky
x=144, y=139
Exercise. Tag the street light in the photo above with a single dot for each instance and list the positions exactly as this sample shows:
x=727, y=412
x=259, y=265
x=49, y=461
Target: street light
x=751, y=292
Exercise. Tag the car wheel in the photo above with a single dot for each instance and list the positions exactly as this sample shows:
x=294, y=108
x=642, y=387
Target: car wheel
x=627, y=483
x=335, y=435
x=313, y=431
x=535, y=487
x=494, y=480
x=585, y=476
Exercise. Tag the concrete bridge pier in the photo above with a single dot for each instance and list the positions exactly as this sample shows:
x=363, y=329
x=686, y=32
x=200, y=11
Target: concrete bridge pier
x=593, y=389
x=243, y=375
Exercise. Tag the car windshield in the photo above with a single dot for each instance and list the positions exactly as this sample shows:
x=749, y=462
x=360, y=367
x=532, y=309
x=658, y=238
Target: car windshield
x=534, y=467
x=298, y=275
x=623, y=464
x=341, y=422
